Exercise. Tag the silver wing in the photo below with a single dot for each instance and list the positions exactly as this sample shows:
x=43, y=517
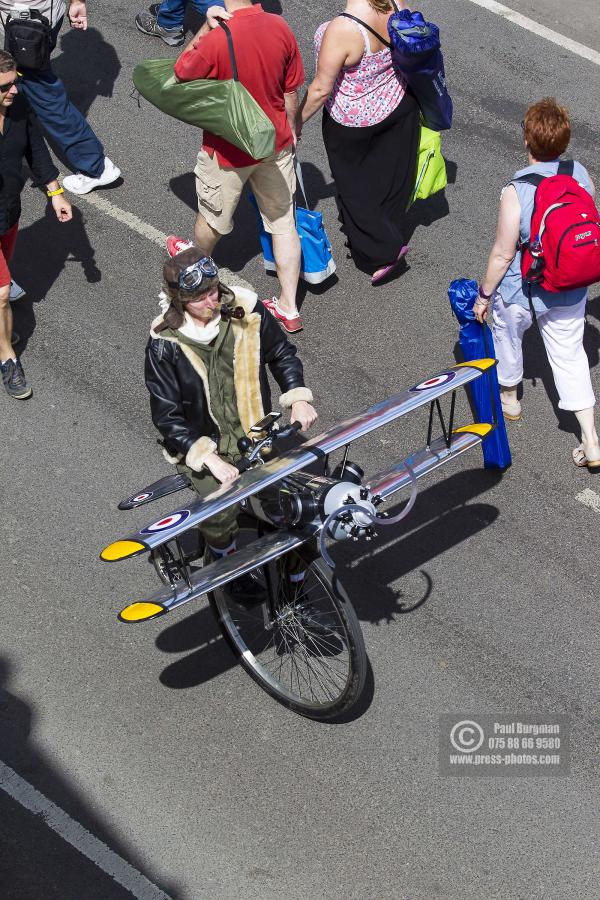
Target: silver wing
x=255, y=480
x=276, y=544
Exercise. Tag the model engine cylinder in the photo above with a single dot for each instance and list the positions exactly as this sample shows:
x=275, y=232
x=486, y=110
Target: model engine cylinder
x=306, y=499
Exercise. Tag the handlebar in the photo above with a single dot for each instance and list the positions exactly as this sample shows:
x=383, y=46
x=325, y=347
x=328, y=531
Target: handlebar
x=288, y=431
x=246, y=462
x=243, y=464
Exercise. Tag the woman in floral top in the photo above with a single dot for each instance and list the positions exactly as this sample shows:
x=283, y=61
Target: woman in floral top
x=370, y=131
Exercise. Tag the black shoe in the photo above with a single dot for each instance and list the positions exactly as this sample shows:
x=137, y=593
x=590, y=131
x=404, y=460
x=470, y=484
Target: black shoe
x=246, y=590
x=14, y=381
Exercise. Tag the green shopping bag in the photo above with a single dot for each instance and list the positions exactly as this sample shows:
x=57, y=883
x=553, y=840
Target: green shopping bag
x=224, y=107
x=431, y=168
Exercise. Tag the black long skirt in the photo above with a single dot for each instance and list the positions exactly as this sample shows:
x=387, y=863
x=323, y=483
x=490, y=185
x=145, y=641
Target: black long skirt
x=374, y=173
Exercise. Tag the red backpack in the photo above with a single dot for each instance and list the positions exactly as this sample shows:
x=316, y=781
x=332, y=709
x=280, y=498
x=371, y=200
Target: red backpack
x=563, y=250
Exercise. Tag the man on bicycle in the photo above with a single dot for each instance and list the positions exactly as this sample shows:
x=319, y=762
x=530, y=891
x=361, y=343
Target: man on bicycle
x=206, y=370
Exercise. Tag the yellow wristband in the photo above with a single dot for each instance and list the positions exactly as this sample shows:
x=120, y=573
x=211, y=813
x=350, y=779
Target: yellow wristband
x=55, y=193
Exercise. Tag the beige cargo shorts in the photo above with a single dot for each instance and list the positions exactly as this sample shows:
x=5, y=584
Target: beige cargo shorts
x=273, y=182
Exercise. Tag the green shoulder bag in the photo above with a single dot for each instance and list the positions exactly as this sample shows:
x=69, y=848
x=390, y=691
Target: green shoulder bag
x=431, y=168
x=224, y=107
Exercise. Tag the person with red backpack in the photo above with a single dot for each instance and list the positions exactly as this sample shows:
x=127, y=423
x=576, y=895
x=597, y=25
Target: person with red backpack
x=547, y=213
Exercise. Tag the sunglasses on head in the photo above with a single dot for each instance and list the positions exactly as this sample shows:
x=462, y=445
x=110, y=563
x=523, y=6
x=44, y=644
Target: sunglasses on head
x=191, y=278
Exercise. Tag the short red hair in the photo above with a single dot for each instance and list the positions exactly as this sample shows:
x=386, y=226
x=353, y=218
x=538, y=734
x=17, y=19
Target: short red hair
x=547, y=128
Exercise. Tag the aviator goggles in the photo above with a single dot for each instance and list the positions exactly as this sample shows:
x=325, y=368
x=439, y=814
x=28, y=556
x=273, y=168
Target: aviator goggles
x=191, y=278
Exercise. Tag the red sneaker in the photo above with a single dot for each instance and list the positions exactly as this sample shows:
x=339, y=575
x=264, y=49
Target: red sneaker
x=177, y=245
x=291, y=324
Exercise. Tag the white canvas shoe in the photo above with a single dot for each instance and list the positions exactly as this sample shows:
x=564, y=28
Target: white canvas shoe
x=16, y=291
x=83, y=184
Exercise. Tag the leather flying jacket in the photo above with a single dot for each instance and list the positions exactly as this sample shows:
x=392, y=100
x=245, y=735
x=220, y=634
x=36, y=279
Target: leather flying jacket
x=178, y=382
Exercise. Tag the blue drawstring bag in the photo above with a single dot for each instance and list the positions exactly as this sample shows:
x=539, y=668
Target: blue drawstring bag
x=476, y=342
x=416, y=51
x=316, y=262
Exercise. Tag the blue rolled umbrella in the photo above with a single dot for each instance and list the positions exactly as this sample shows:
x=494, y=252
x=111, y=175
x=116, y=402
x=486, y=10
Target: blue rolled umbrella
x=476, y=342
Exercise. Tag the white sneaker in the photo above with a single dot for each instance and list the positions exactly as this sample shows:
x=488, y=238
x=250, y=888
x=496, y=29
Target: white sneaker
x=16, y=291
x=83, y=184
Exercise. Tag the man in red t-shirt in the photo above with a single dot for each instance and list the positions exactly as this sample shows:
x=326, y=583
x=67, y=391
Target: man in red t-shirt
x=270, y=68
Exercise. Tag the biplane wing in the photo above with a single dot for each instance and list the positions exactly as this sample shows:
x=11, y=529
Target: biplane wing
x=257, y=479
x=216, y=574
x=275, y=544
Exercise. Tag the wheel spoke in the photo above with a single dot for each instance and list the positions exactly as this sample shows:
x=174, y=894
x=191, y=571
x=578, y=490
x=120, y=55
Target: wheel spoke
x=303, y=652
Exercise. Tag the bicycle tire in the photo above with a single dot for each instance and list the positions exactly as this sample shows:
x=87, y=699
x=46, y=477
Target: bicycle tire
x=316, y=628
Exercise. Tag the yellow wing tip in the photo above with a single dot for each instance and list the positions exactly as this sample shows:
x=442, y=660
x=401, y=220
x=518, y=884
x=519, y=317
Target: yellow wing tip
x=482, y=429
x=121, y=550
x=141, y=611
x=482, y=364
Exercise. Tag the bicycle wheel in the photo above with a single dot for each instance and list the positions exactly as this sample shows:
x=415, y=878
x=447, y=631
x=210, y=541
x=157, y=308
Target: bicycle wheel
x=303, y=644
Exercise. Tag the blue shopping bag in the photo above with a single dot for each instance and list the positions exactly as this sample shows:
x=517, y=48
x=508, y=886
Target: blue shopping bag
x=476, y=342
x=416, y=51
x=317, y=262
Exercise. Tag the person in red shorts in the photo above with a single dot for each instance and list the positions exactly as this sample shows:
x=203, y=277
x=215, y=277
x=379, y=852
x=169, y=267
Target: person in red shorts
x=270, y=68
x=20, y=138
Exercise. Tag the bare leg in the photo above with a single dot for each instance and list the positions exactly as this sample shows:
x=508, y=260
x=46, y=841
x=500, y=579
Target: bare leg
x=6, y=322
x=205, y=237
x=589, y=435
x=286, y=250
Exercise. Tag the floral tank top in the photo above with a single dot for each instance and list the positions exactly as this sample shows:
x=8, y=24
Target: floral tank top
x=366, y=93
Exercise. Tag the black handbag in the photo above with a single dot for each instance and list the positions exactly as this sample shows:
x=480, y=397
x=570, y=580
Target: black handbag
x=28, y=37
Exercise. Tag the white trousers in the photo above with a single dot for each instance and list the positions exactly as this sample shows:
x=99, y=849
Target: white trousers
x=562, y=332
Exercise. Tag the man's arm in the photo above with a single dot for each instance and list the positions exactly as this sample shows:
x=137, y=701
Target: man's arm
x=213, y=14
x=291, y=111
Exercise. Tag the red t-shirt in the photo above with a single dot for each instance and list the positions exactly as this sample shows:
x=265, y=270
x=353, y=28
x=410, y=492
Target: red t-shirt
x=269, y=66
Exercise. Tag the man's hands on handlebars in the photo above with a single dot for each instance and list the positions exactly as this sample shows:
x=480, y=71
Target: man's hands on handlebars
x=221, y=469
x=304, y=413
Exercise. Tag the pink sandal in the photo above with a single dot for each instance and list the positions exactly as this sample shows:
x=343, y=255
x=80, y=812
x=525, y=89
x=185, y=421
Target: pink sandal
x=382, y=273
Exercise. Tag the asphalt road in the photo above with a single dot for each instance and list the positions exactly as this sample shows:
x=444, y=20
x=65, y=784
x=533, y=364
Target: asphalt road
x=482, y=602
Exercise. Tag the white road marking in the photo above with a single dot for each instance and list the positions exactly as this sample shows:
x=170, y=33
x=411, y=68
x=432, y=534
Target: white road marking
x=589, y=498
x=529, y=25
x=148, y=231
x=76, y=835
x=126, y=218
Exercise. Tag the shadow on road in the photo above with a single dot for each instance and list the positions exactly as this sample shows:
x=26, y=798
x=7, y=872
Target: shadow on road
x=443, y=518
x=87, y=65
x=210, y=655
x=35, y=861
x=52, y=245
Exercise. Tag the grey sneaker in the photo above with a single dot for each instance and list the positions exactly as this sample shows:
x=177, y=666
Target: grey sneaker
x=14, y=381
x=147, y=24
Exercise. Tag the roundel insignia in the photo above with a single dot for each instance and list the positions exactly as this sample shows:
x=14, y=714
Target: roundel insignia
x=431, y=383
x=139, y=497
x=168, y=522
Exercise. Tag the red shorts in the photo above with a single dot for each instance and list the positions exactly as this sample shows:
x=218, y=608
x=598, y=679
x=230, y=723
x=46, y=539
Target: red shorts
x=7, y=246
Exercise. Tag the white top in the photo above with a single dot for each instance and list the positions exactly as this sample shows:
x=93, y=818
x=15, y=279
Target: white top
x=57, y=7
